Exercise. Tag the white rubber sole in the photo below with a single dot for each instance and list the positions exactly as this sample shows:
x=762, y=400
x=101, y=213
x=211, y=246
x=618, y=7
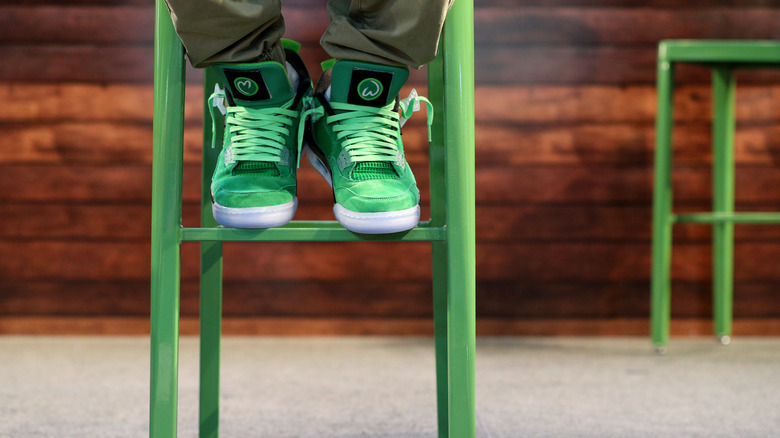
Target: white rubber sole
x=377, y=223
x=366, y=223
x=255, y=217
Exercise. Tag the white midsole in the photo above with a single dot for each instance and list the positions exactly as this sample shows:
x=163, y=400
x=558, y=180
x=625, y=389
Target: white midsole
x=366, y=223
x=378, y=222
x=255, y=217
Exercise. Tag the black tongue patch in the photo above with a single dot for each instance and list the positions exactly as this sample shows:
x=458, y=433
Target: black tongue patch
x=247, y=85
x=369, y=87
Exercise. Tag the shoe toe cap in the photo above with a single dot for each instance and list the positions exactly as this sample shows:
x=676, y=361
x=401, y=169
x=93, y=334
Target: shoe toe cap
x=378, y=196
x=251, y=195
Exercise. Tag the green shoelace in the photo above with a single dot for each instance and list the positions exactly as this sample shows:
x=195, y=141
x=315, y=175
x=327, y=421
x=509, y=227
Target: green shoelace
x=257, y=134
x=366, y=133
x=371, y=134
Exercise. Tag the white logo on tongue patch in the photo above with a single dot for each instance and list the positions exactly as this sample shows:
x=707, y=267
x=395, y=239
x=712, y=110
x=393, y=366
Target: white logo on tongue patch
x=246, y=86
x=369, y=89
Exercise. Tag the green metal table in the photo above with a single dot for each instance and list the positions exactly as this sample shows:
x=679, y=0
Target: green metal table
x=723, y=57
x=450, y=231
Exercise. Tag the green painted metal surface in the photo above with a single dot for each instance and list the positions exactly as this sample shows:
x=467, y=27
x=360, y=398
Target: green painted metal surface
x=166, y=222
x=311, y=231
x=723, y=170
x=737, y=218
x=210, y=287
x=451, y=231
x=458, y=53
x=662, y=208
x=210, y=337
x=436, y=153
x=720, y=51
x=724, y=57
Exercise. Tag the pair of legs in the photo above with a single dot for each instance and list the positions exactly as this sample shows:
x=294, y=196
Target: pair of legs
x=349, y=126
x=391, y=32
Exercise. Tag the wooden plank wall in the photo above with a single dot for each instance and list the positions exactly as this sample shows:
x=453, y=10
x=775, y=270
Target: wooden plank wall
x=565, y=111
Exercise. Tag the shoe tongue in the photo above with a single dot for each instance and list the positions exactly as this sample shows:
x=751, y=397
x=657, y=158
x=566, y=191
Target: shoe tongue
x=256, y=167
x=363, y=83
x=258, y=85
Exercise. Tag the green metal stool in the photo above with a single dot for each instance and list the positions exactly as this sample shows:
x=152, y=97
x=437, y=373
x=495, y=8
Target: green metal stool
x=723, y=57
x=450, y=229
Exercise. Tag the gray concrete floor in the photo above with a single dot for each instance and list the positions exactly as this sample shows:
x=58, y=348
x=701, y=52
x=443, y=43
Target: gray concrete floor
x=384, y=387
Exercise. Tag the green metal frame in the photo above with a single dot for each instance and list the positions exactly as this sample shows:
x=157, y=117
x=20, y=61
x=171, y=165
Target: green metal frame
x=450, y=230
x=723, y=57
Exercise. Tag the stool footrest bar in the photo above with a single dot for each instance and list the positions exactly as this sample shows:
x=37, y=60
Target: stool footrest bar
x=310, y=231
x=734, y=52
x=737, y=218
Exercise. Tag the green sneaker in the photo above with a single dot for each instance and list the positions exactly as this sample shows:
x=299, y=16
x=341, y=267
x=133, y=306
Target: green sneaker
x=355, y=144
x=254, y=183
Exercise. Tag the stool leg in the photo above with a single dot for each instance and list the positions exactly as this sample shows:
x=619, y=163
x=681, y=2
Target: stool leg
x=439, y=249
x=723, y=85
x=166, y=225
x=210, y=286
x=660, y=280
x=458, y=56
x=210, y=334
x=440, y=324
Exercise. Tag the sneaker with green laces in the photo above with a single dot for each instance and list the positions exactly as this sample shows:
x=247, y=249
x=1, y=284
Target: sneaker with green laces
x=355, y=144
x=254, y=183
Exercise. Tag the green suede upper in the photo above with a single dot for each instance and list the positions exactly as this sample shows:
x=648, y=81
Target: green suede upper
x=360, y=138
x=258, y=162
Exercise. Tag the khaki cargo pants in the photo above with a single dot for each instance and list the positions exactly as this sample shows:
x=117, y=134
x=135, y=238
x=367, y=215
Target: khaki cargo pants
x=392, y=32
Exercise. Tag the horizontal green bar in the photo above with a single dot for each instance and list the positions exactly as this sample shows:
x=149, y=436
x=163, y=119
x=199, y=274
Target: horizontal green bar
x=737, y=218
x=720, y=51
x=309, y=231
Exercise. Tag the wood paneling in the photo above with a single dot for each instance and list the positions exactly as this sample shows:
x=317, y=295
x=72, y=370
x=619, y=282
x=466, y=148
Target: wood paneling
x=517, y=25
x=382, y=326
x=565, y=109
x=519, y=105
x=495, y=65
x=495, y=185
x=410, y=299
x=521, y=264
